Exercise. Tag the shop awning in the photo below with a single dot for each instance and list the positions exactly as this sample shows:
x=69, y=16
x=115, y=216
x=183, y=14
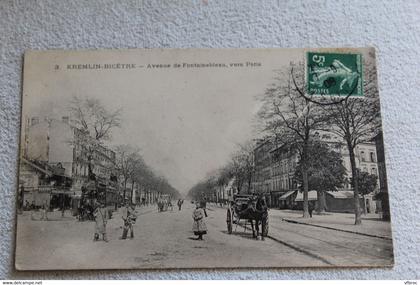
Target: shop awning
x=341, y=194
x=33, y=165
x=286, y=195
x=312, y=196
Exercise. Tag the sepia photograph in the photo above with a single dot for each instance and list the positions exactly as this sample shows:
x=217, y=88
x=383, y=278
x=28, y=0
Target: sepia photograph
x=201, y=158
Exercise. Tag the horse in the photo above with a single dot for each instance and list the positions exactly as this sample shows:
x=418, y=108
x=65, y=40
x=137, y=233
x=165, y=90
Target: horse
x=256, y=210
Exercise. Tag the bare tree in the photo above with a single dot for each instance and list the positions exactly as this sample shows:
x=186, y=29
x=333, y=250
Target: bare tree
x=243, y=160
x=240, y=167
x=91, y=116
x=126, y=163
x=354, y=118
x=146, y=178
x=357, y=119
x=95, y=124
x=291, y=118
x=223, y=178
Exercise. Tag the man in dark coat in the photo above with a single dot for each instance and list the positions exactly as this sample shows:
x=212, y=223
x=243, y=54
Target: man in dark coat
x=129, y=216
x=180, y=202
x=311, y=207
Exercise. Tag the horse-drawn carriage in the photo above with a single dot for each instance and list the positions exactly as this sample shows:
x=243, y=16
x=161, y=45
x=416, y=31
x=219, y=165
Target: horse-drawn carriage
x=251, y=208
x=97, y=191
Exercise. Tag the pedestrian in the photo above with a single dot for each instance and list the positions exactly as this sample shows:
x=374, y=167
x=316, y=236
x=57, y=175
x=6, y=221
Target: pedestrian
x=129, y=217
x=203, y=205
x=170, y=205
x=63, y=210
x=100, y=222
x=160, y=205
x=44, y=209
x=180, y=202
x=199, y=226
x=311, y=208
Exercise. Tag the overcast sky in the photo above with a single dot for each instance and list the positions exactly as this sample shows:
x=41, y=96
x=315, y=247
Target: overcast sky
x=186, y=121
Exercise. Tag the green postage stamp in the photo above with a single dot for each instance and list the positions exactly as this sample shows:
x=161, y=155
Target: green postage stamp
x=336, y=74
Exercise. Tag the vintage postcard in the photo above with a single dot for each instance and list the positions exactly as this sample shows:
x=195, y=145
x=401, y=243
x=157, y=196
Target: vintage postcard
x=201, y=158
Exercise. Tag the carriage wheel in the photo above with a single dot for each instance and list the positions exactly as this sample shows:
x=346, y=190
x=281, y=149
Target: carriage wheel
x=229, y=221
x=265, y=233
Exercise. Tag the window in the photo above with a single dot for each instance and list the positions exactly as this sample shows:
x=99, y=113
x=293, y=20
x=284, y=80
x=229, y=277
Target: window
x=362, y=156
x=373, y=171
x=372, y=156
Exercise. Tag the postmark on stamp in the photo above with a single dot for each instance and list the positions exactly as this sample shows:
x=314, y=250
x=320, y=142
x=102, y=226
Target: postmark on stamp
x=334, y=74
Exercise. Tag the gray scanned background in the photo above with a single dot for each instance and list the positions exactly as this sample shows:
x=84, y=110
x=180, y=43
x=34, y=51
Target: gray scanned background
x=393, y=27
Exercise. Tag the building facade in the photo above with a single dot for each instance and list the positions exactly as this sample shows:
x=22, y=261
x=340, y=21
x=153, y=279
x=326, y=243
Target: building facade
x=275, y=168
x=283, y=166
x=366, y=161
x=261, y=182
x=57, y=142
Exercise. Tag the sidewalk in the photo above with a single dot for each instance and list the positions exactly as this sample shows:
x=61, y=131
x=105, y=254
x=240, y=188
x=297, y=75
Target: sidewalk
x=371, y=224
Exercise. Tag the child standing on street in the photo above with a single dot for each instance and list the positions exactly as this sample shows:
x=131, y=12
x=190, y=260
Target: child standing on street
x=199, y=226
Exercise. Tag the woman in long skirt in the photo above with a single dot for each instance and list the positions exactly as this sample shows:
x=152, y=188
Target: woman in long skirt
x=199, y=226
x=100, y=222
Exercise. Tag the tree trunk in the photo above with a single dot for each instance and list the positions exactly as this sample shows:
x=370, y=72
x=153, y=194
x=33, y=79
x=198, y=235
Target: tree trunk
x=132, y=192
x=305, y=179
x=355, y=184
x=305, y=191
x=249, y=183
x=322, y=205
x=125, y=187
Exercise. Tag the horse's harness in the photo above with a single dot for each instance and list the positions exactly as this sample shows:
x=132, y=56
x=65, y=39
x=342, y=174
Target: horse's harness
x=255, y=205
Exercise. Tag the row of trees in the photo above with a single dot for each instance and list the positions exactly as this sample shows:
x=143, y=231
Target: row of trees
x=292, y=117
x=239, y=169
x=97, y=123
x=288, y=116
x=132, y=169
x=325, y=168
